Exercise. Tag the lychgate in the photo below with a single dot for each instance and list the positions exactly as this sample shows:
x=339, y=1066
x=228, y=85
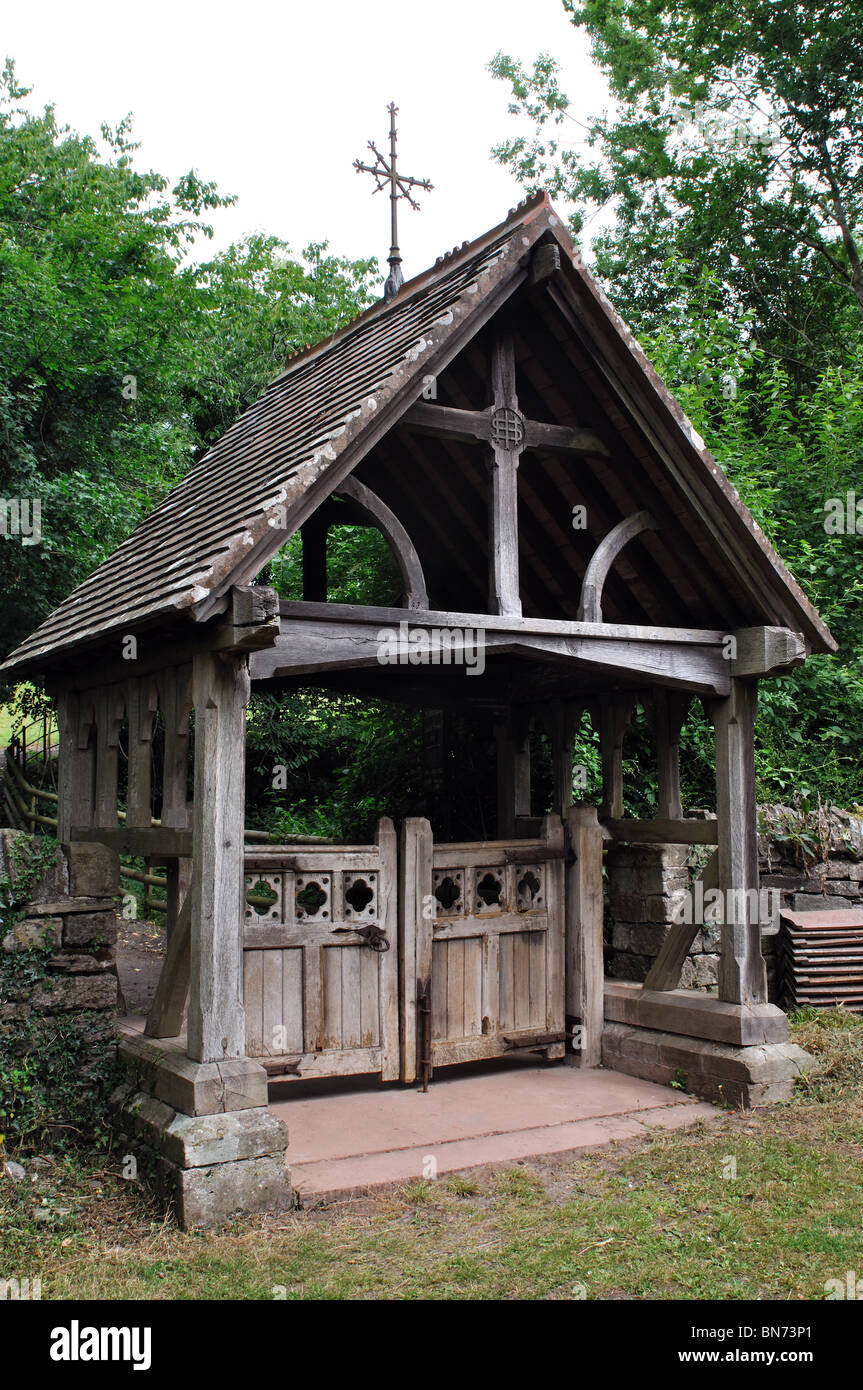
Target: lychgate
x=412, y=952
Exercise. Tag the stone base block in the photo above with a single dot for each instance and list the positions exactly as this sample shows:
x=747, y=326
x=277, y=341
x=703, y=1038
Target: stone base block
x=746, y=1076
x=206, y=1167
x=694, y=1014
x=211, y=1196
x=162, y=1069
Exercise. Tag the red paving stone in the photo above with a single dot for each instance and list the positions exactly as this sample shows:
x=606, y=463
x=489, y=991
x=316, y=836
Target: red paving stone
x=365, y=1135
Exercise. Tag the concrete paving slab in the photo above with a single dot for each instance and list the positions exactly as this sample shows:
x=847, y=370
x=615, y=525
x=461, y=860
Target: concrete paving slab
x=345, y=1142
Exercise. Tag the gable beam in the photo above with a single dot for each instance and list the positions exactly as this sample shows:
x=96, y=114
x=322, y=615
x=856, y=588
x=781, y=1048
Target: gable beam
x=311, y=486
x=316, y=638
x=474, y=426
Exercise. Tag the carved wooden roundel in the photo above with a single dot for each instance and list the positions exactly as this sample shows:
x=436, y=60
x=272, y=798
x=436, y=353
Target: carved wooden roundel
x=507, y=429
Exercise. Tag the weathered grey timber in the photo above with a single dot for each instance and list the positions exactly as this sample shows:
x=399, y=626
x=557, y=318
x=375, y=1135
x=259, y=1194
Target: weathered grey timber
x=216, y=1023
x=564, y=544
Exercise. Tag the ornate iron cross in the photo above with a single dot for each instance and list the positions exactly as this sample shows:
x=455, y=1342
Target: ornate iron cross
x=400, y=186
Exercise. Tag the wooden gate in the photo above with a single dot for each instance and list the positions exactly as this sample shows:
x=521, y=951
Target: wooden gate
x=481, y=935
x=321, y=960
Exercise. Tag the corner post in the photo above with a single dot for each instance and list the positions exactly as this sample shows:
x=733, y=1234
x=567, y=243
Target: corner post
x=742, y=973
x=216, y=1019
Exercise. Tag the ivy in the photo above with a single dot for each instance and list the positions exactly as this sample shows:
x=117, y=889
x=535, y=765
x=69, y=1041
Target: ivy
x=55, y=1070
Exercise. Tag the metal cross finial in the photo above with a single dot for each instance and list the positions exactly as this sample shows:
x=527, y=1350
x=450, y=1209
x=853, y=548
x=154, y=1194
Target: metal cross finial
x=400, y=187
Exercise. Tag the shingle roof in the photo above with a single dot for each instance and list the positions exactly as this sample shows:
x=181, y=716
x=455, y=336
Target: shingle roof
x=321, y=415
x=178, y=555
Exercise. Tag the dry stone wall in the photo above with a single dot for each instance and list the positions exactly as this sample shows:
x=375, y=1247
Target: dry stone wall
x=806, y=861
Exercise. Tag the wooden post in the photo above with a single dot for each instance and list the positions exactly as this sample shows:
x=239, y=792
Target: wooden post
x=389, y=979
x=140, y=709
x=742, y=973
x=76, y=763
x=216, y=1023
x=666, y=711
x=614, y=715
x=504, y=594
x=434, y=752
x=585, y=974
x=513, y=772
x=109, y=705
x=415, y=898
x=565, y=719
x=175, y=698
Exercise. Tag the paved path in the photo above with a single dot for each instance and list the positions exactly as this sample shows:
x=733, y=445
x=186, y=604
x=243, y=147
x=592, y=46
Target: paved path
x=345, y=1141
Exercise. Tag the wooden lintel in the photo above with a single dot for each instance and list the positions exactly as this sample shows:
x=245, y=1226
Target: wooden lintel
x=307, y=646
x=136, y=841
x=662, y=832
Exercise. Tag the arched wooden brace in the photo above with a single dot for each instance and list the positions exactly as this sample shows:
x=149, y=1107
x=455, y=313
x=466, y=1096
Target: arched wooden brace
x=397, y=537
x=590, y=605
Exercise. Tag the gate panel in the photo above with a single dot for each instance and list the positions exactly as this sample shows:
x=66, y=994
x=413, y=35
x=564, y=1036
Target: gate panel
x=484, y=928
x=320, y=999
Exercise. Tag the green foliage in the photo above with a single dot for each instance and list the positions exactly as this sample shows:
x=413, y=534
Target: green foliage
x=732, y=165
x=361, y=568
x=121, y=359
x=55, y=1070
x=736, y=140
x=346, y=762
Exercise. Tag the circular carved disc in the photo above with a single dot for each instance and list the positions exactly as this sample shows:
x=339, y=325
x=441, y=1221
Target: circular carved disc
x=507, y=429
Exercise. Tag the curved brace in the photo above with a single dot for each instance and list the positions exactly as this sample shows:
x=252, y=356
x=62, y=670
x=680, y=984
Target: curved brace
x=400, y=542
x=590, y=606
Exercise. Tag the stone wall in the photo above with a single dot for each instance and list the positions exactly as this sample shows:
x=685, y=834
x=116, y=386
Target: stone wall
x=810, y=861
x=69, y=994
x=646, y=885
x=73, y=909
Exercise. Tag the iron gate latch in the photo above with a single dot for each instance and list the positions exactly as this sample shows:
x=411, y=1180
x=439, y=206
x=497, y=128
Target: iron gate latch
x=374, y=937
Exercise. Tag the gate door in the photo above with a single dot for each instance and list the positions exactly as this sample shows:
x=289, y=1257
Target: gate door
x=483, y=925
x=320, y=958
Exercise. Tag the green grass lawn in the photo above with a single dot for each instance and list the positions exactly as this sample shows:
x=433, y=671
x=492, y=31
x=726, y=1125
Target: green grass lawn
x=654, y=1218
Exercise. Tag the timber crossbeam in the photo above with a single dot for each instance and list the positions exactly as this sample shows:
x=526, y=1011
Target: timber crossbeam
x=333, y=637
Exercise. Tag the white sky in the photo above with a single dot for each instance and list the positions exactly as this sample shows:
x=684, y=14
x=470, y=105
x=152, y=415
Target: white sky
x=274, y=101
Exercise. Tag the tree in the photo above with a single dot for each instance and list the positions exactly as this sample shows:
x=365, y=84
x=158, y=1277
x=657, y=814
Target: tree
x=733, y=171
x=121, y=358
x=736, y=145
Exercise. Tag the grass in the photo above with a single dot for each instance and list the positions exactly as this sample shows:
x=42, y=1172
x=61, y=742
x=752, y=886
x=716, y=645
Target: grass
x=655, y=1218
x=5, y=726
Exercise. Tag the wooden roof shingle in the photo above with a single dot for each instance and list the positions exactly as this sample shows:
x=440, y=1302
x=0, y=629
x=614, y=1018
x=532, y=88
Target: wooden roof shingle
x=318, y=418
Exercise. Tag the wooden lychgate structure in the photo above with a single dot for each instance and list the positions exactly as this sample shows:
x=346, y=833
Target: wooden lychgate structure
x=565, y=543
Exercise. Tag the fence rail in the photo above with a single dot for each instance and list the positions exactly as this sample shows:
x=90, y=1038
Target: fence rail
x=21, y=799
